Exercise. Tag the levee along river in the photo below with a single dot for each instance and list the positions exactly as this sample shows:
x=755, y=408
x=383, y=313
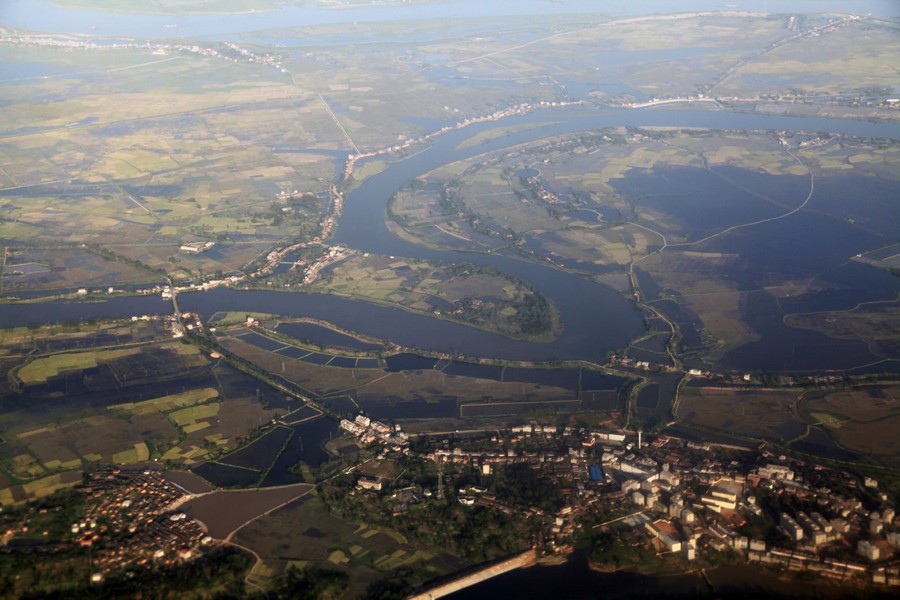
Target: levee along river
x=595, y=318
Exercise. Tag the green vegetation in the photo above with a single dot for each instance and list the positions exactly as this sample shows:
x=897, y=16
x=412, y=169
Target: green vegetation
x=149, y=398
x=635, y=554
x=227, y=319
x=68, y=575
x=312, y=584
x=519, y=485
x=469, y=293
x=862, y=419
x=305, y=535
x=168, y=159
x=42, y=369
x=476, y=535
x=169, y=403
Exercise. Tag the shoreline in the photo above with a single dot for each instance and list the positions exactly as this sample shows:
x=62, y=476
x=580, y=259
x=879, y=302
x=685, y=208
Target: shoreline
x=526, y=559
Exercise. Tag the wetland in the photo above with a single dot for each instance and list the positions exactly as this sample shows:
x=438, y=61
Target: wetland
x=217, y=246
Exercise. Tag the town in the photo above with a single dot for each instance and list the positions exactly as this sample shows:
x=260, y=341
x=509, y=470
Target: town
x=687, y=502
x=690, y=505
x=126, y=524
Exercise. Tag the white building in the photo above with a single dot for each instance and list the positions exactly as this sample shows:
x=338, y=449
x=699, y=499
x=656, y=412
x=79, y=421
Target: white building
x=776, y=472
x=724, y=494
x=868, y=550
x=791, y=527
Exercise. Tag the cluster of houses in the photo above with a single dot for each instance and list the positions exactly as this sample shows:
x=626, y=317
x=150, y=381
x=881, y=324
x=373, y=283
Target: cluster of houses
x=369, y=432
x=128, y=525
x=686, y=498
x=851, y=543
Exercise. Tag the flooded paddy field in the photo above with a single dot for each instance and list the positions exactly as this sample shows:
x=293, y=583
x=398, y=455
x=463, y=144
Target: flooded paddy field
x=463, y=369
x=291, y=352
x=655, y=406
x=343, y=405
x=525, y=409
x=261, y=341
x=434, y=407
x=415, y=389
x=258, y=455
x=735, y=270
x=409, y=362
x=306, y=445
x=224, y=512
x=188, y=481
x=602, y=401
x=818, y=443
x=596, y=380
x=226, y=476
x=273, y=459
x=318, y=359
x=569, y=379
x=788, y=349
x=301, y=414
x=639, y=354
x=656, y=343
x=307, y=355
x=697, y=203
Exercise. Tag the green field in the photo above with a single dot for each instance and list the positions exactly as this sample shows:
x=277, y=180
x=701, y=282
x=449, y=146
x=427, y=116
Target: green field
x=102, y=136
x=471, y=294
x=42, y=369
x=154, y=399
x=304, y=534
x=169, y=403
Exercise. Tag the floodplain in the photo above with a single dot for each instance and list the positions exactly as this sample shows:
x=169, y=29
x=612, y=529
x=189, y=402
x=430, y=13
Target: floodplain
x=648, y=203
x=469, y=293
x=761, y=255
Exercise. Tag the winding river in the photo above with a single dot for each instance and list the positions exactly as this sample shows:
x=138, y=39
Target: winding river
x=595, y=318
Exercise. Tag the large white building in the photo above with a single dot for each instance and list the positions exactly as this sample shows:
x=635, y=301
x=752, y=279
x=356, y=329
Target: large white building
x=791, y=527
x=724, y=494
x=776, y=472
x=868, y=550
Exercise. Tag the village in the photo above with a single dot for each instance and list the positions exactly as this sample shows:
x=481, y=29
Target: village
x=686, y=501
x=690, y=503
x=126, y=524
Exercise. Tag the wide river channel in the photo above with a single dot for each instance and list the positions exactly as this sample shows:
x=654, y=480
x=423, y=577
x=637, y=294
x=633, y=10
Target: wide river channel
x=595, y=318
